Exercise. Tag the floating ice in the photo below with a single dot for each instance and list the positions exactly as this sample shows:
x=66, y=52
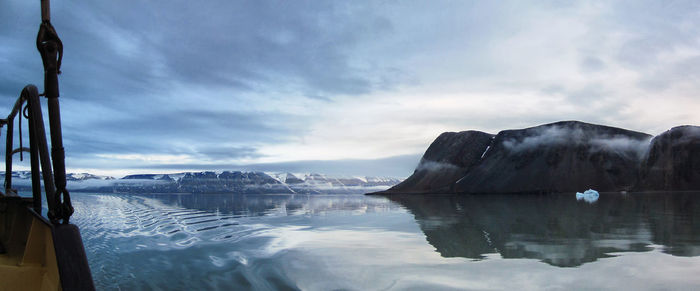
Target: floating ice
x=589, y=196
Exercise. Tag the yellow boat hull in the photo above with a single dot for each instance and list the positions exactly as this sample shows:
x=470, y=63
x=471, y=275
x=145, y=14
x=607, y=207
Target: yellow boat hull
x=28, y=261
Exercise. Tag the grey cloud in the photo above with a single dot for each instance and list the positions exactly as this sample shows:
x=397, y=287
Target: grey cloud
x=621, y=144
x=196, y=124
x=548, y=135
x=592, y=64
x=207, y=136
x=656, y=28
x=435, y=166
x=587, y=94
x=598, y=142
x=228, y=152
x=679, y=71
x=245, y=45
x=640, y=52
x=133, y=58
x=553, y=90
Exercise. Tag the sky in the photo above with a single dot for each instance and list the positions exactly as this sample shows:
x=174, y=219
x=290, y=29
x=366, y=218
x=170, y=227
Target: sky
x=165, y=86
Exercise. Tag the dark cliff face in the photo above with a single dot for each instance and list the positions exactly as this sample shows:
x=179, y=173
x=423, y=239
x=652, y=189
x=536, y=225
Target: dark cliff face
x=447, y=159
x=566, y=156
x=291, y=179
x=559, y=157
x=673, y=161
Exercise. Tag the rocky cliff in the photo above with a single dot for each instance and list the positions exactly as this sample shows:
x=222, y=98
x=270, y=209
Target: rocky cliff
x=447, y=159
x=564, y=156
x=673, y=161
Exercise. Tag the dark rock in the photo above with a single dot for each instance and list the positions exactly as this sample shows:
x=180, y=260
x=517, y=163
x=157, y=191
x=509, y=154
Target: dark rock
x=166, y=177
x=447, y=159
x=673, y=161
x=140, y=177
x=565, y=156
x=291, y=179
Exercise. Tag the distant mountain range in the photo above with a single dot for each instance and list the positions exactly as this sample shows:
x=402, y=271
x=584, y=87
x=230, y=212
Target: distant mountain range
x=217, y=182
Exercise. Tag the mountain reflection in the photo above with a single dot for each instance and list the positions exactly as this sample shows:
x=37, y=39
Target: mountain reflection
x=260, y=205
x=557, y=229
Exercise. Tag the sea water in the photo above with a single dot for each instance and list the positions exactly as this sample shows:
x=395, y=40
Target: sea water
x=356, y=242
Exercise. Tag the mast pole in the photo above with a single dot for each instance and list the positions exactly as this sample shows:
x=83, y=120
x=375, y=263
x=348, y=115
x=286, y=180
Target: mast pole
x=45, y=10
x=51, y=49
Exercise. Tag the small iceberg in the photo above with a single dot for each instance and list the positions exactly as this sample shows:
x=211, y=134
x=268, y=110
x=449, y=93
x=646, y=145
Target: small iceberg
x=589, y=196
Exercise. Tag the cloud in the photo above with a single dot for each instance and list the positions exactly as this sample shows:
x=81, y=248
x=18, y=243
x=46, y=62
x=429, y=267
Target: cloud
x=222, y=44
x=183, y=79
x=276, y=81
x=552, y=135
x=190, y=136
x=621, y=145
x=229, y=152
x=592, y=64
x=594, y=141
x=432, y=166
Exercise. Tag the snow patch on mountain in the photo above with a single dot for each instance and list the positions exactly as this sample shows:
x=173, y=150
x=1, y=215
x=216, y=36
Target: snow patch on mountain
x=219, y=182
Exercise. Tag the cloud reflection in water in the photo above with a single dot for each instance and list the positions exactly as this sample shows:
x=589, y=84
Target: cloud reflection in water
x=356, y=242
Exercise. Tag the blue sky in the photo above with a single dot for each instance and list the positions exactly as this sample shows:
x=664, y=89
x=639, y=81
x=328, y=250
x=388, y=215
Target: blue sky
x=161, y=86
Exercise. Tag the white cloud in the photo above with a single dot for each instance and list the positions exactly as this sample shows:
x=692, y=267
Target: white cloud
x=385, y=79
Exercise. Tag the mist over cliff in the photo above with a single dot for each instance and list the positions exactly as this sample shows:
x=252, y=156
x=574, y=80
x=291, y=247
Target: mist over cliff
x=565, y=156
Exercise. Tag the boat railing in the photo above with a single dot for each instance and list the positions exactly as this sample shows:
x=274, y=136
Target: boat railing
x=52, y=168
x=48, y=168
x=28, y=106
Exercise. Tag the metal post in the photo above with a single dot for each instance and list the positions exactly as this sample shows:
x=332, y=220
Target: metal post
x=34, y=160
x=51, y=49
x=39, y=135
x=57, y=152
x=8, y=157
x=45, y=10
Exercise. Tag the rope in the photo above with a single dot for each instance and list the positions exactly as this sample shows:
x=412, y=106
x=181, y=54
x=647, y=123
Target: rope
x=48, y=33
x=66, y=208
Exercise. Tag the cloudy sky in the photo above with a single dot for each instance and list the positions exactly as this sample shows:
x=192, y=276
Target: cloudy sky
x=177, y=85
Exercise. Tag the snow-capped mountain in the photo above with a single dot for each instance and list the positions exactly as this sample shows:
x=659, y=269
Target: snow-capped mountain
x=218, y=182
x=313, y=182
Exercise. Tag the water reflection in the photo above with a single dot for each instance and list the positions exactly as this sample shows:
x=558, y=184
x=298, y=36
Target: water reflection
x=356, y=242
x=210, y=241
x=283, y=204
x=558, y=229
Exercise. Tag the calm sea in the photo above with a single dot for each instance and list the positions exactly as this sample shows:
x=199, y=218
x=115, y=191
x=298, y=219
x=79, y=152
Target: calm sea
x=628, y=241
